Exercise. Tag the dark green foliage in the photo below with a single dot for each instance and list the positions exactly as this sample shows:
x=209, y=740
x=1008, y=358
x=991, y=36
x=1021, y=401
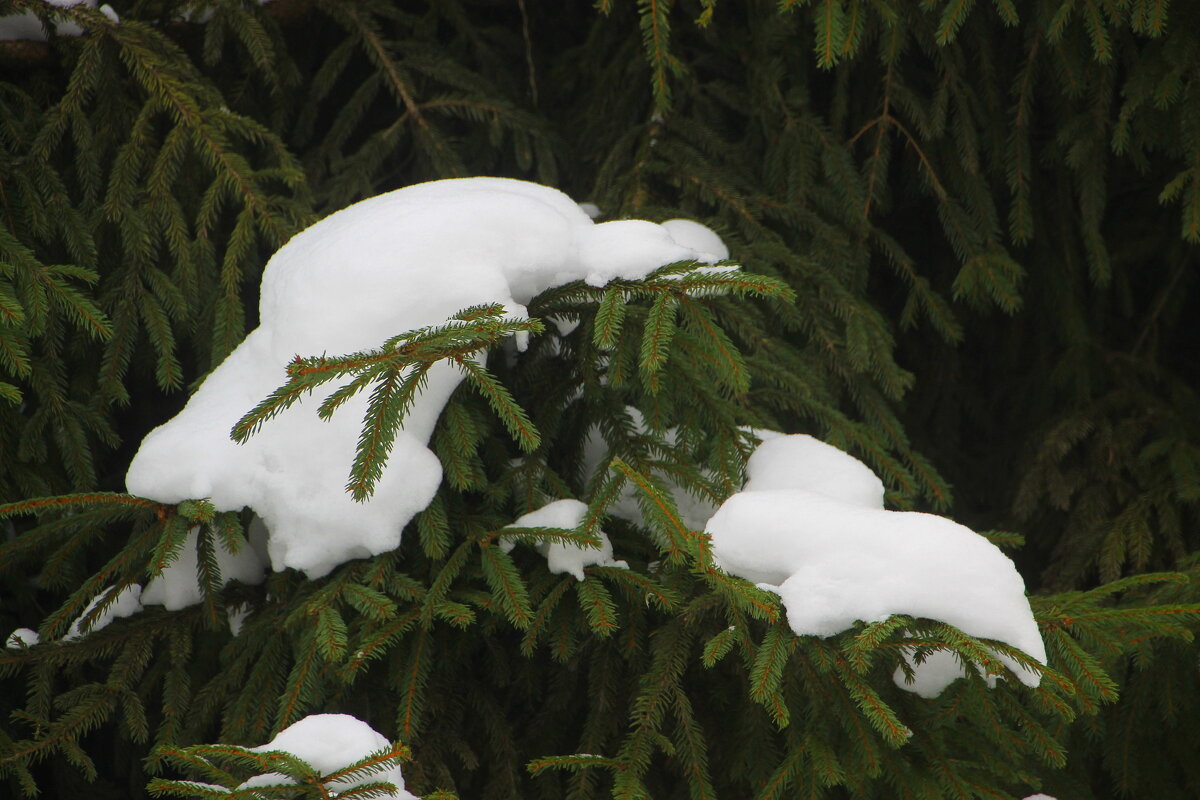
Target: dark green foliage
x=969, y=231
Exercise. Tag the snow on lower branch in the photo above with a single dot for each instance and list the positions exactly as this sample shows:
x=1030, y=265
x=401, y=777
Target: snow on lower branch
x=810, y=526
x=386, y=265
x=329, y=743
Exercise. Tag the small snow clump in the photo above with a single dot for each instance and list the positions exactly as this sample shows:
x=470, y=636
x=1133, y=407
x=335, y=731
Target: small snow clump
x=328, y=743
x=127, y=604
x=21, y=638
x=564, y=558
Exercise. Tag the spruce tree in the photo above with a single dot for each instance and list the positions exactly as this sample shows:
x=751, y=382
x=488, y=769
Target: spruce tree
x=968, y=233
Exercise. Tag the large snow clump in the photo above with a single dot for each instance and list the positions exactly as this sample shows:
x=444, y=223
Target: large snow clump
x=389, y=264
x=330, y=742
x=810, y=526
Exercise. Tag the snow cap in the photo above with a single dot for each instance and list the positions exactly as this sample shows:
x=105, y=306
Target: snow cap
x=329, y=742
x=803, y=462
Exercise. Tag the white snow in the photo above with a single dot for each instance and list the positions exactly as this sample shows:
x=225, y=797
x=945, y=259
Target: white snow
x=389, y=264
x=700, y=238
x=178, y=586
x=564, y=558
x=127, y=603
x=236, y=617
x=834, y=556
x=22, y=637
x=804, y=462
x=931, y=676
x=329, y=742
x=27, y=26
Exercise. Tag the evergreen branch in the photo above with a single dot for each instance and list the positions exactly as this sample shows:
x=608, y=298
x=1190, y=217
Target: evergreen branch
x=534, y=535
x=329, y=631
x=656, y=339
x=541, y=618
x=300, y=687
x=274, y=404
x=860, y=649
x=831, y=32
x=433, y=528
x=84, y=500
x=953, y=16
x=609, y=316
x=501, y=400
x=639, y=587
x=729, y=365
x=170, y=545
x=654, y=20
x=718, y=646
x=783, y=776
x=377, y=642
x=412, y=688
x=659, y=508
x=767, y=672
x=441, y=584
x=208, y=577
x=393, y=397
x=370, y=602
x=370, y=764
x=507, y=587
x=598, y=606
x=692, y=750
x=572, y=763
x=877, y=712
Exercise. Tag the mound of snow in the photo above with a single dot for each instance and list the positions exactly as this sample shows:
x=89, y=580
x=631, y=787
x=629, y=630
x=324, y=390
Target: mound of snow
x=329, y=742
x=386, y=265
x=809, y=526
